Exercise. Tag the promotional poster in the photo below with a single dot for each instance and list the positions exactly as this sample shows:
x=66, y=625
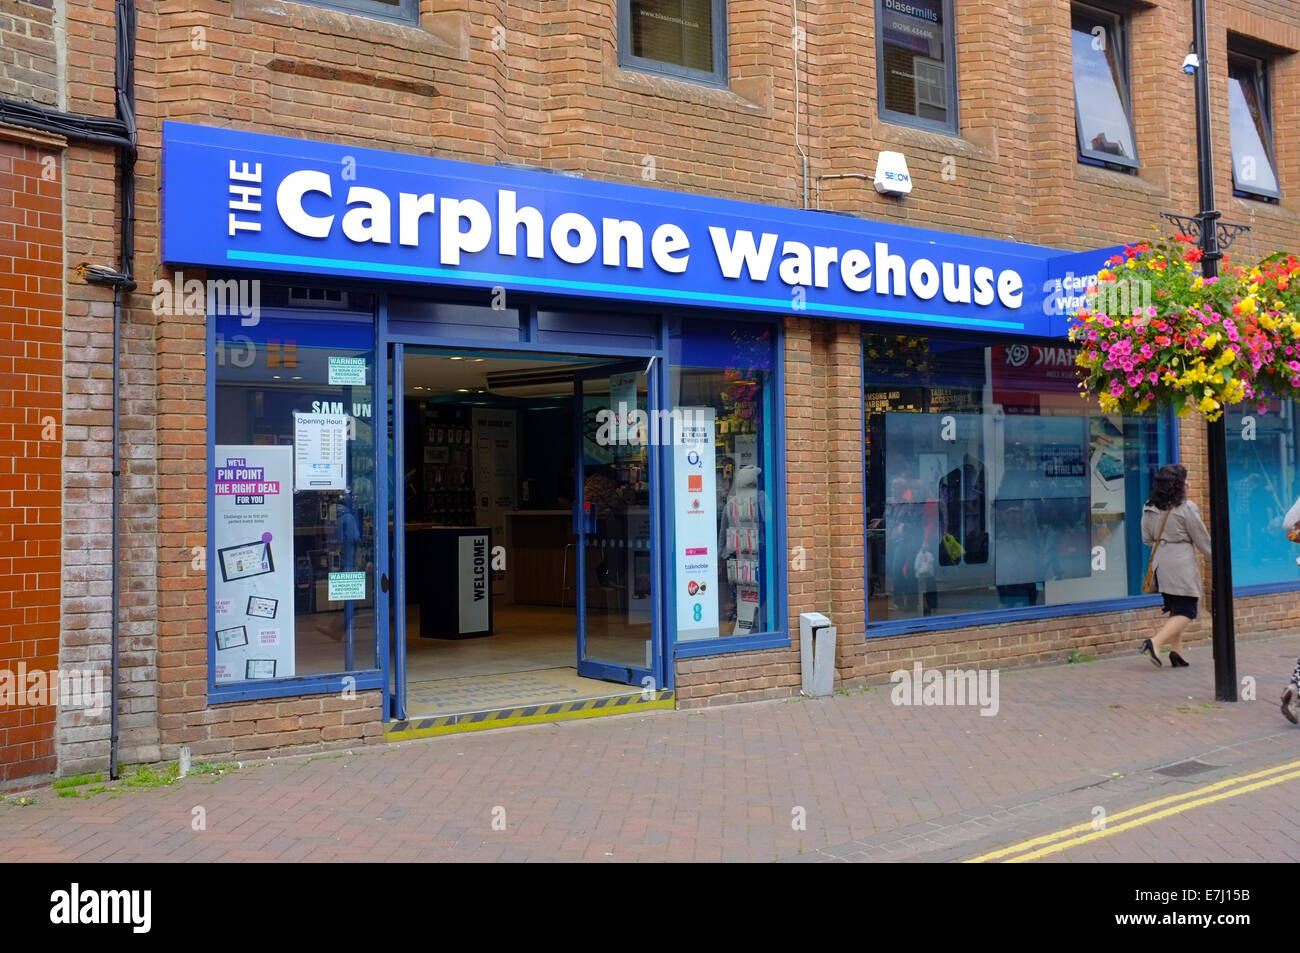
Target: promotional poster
x=252, y=562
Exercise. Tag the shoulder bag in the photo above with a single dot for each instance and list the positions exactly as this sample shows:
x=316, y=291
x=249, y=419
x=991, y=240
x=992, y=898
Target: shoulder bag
x=1149, y=583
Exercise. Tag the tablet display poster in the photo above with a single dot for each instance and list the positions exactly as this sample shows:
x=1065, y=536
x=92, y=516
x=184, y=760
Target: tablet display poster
x=251, y=562
x=695, y=515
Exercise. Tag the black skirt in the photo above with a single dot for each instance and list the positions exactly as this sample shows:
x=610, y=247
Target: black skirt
x=1180, y=605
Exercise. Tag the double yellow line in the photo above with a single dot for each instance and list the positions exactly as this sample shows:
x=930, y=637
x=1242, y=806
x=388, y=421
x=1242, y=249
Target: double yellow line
x=1164, y=807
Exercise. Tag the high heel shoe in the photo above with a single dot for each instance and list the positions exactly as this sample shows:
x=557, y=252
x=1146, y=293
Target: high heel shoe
x=1149, y=650
x=1177, y=660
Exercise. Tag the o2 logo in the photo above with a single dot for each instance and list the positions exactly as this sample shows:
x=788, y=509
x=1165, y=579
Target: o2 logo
x=693, y=458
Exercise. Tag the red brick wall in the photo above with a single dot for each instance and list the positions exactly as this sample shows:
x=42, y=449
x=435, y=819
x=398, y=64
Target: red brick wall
x=31, y=412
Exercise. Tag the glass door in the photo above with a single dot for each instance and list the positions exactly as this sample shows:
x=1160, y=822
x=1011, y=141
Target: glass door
x=395, y=486
x=616, y=459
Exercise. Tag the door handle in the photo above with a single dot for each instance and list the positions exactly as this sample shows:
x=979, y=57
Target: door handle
x=383, y=582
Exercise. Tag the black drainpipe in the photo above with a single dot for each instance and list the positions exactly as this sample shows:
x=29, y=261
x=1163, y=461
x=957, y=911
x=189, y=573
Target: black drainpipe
x=120, y=132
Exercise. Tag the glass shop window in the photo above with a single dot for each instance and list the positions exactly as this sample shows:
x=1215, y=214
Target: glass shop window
x=726, y=565
x=992, y=485
x=1264, y=481
x=292, y=559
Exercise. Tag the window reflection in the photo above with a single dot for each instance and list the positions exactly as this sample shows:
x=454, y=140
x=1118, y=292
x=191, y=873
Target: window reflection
x=726, y=383
x=915, y=60
x=1101, y=96
x=990, y=484
x=293, y=493
x=1253, y=170
x=1264, y=480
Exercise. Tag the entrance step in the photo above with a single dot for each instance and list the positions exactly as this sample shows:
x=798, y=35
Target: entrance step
x=624, y=703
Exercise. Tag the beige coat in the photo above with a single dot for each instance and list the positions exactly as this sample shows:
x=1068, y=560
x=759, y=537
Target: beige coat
x=1177, y=573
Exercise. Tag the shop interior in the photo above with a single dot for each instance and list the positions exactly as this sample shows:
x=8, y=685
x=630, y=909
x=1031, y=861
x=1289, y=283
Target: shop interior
x=488, y=483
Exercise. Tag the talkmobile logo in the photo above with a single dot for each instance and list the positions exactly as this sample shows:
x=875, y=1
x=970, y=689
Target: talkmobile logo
x=75, y=906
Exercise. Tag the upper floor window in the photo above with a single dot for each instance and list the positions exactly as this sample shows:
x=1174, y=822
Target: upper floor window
x=1254, y=172
x=405, y=10
x=1102, y=105
x=916, y=68
x=686, y=39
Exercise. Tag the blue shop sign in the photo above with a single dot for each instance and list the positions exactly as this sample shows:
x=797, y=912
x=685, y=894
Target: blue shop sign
x=244, y=200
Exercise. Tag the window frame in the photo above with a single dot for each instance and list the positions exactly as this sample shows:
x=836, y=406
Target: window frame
x=777, y=636
x=1168, y=448
x=1120, y=22
x=405, y=11
x=719, y=77
x=951, y=127
x=1263, y=88
x=282, y=686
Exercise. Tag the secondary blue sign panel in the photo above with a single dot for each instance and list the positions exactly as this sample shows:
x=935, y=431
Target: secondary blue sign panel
x=244, y=200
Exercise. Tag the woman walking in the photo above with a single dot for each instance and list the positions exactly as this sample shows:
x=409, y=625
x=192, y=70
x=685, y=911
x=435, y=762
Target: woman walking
x=1172, y=526
x=1291, y=694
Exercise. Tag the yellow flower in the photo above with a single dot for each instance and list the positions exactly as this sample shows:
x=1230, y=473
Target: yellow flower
x=1210, y=341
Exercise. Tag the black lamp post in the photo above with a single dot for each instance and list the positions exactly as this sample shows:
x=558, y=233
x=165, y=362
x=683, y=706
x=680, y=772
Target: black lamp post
x=1214, y=235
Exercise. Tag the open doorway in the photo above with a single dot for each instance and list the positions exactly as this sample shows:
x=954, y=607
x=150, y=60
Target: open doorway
x=527, y=535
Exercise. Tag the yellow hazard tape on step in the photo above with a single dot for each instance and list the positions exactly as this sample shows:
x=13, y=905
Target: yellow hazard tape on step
x=529, y=715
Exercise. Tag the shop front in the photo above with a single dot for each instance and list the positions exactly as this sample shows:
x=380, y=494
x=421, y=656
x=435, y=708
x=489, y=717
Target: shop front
x=500, y=444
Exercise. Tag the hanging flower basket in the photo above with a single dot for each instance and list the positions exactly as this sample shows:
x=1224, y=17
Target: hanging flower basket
x=1156, y=334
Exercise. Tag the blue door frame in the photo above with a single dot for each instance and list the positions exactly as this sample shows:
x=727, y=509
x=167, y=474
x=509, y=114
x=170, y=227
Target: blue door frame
x=599, y=668
x=391, y=616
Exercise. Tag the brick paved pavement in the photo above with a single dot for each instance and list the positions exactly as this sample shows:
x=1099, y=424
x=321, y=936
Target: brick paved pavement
x=875, y=781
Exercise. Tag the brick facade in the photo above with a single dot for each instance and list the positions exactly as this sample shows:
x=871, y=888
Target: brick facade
x=31, y=428
x=537, y=82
